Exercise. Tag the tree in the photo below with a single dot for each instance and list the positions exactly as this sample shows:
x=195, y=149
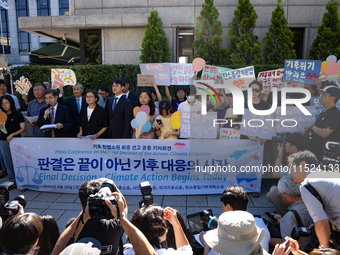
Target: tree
x=209, y=36
x=279, y=45
x=245, y=48
x=327, y=41
x=155, y=46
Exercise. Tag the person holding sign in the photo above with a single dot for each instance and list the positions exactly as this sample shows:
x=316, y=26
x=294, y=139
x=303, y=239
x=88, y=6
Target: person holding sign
x=92, y=120
x=180, y=97
x=13, y=127
x=327, y=125
x=162, y=123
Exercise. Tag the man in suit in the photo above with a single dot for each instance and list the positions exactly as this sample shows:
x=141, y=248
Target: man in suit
x=55, y=113
x=129, y=95
x=119, y=112
x=75, y=104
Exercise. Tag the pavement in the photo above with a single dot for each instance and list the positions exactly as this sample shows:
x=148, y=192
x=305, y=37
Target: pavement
x=65, y=206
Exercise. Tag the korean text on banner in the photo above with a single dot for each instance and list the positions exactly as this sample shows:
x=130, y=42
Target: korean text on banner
x=179, y=167
x=181, y=74
x=214, y=73
x=301, y=70
x=199, y=126
x=145, y=80
x=161, y=70
x=239, y=77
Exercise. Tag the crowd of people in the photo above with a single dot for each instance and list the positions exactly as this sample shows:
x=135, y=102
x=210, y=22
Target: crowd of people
x=305, y=197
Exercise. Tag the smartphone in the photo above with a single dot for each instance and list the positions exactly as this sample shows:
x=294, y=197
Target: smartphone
x=271, y=217
x=286, y=243
x=159, y=122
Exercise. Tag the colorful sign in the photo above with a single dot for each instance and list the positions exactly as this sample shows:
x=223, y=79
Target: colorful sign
x=214, y=73
x=301, y=70
x=239, y=77
x=23, y=85
x=274, y=79
x=161, y=70
x=229, y=134
x=145, y=80
x=62, y=77
x=195, y=125
x=181, y=74
x=179, y=167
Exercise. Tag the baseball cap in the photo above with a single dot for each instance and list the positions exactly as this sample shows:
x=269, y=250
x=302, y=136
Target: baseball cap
x=332, y=90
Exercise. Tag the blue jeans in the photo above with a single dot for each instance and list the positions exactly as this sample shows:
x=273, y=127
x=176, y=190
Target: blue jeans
x=6, y=159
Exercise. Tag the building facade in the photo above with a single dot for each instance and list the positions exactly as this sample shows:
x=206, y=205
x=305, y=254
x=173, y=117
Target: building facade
x=120, y=24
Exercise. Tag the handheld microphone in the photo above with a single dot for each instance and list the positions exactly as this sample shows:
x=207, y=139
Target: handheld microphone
x=49, y=107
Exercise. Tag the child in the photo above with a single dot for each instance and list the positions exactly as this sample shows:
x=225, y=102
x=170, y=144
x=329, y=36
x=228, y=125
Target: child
x=162, y=122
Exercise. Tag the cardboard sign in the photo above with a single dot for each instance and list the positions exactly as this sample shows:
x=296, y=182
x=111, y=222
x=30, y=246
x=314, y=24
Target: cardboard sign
x=214, y=73
x=62, y=77
x=23, y=85
x=161, y=70
x=145, y=80
x=301, y=70
x=195, y=125
x=229, y=134
x=274, y=79
x=181, y=74
x=239, y=77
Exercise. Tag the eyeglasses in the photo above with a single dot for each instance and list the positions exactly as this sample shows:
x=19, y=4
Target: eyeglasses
x=89, y=96
x=324, y=94
x=256, y=90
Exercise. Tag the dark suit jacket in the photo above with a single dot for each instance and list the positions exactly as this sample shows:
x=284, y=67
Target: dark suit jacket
x=132, y=97
x=62, y=116
x=98, y=120
x=119, y=120
x=71, y=104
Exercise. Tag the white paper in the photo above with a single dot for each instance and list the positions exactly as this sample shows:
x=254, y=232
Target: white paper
x=87, y=137
x=48, y=126
x=32, y=119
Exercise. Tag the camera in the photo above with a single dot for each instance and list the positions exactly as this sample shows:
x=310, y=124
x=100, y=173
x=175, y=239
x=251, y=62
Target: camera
x=332, y=154
x=12, y=205
x=5, y=204
x=314, y=242
x=300, y=231
x=145, y=189
x=280, y=138
x=97, y=205
x=199, y=221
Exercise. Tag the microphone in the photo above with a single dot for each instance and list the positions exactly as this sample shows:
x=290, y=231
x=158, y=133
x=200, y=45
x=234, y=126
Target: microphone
x=49, y=107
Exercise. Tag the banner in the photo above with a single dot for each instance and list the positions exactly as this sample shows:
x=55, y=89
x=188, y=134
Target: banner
x=229, y=134
x=301, y=70
x=198, y=126
x=161, y=70
x=239, y=77
x=214, y=73
x=181, y=74
x=177, y=167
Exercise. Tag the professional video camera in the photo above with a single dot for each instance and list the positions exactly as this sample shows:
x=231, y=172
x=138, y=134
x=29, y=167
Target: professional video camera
x=331, y=156
x=199, y=221
x=145, y=189
x=7, y=205
x=98, y=207
x=280, y=138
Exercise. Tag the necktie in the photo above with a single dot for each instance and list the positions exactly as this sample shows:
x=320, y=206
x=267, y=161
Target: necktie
x=52, y=121
x=114, y=104
x=78, y=105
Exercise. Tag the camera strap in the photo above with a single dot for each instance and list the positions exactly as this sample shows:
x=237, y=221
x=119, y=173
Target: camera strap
x=297, y=216
x=313, y=191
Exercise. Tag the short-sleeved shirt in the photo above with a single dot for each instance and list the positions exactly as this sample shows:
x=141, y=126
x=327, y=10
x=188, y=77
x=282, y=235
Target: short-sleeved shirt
x=151, y=134
x=166, y=127
x=33, y=109
x=186, y=107
x=184, y=250
x=262, y=105
x=12, y=125
x=327, y=184
x=329, y=119
x=175, y=103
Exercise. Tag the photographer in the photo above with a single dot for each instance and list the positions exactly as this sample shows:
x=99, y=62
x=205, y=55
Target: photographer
x=327, y=125
x=292, y=143
x=324, y=204
x=107, y=231
x=297, y=216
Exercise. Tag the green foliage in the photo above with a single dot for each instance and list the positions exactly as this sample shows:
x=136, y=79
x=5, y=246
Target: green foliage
x=279, y=45
x=92, y=49
x=245, y=48
x=209, y=36
x=327, y=41
x=155, y=46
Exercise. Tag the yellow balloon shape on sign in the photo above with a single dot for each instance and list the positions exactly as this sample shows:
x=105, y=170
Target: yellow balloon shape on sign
x=175, y=120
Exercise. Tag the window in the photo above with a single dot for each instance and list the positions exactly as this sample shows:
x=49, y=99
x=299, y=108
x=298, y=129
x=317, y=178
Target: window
x=5, y=40
x=23, y=37
x=298, y=40
x=90, y=47
x=185, y=38
x=43, y=7
x=63, y=7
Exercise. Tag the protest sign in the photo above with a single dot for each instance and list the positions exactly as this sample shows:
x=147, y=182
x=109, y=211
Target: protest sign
x=62, y=77
x=23, y=85
x=181, y=74
x=145, y=80
x=301, y=70
x=229, y=134
x=214, y=73
x=239, y=77
x=161, y=70
x=202, y=87
x=195, y=125
x=179, y=167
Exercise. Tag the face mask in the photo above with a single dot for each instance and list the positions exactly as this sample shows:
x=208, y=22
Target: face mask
x=191, y=99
